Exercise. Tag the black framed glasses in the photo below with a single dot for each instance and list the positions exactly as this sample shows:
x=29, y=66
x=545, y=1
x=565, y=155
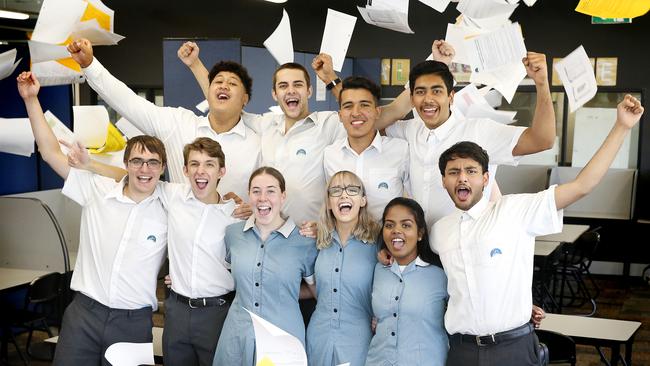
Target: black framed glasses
x=337, y=191
x=151, y=163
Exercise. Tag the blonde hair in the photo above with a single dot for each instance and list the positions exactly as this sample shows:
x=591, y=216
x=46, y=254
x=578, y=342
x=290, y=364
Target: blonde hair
x=366, y=230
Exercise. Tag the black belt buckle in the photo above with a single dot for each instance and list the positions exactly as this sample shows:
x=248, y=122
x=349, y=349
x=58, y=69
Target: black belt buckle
x=485, y=340
x=199, y=302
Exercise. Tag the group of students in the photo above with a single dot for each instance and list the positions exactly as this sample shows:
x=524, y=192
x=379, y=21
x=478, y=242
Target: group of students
x=446, y=274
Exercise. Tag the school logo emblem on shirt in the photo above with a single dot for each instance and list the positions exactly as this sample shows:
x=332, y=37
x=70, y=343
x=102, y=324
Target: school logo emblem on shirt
x=382, y=185
x=152, y=238
x=494, y=252
x=301, y=152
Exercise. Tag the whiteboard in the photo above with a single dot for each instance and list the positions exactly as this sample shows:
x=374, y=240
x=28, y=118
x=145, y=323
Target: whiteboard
x=592, y=125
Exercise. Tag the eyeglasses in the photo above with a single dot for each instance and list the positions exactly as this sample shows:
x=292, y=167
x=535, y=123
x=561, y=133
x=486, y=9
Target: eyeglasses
x=338, y=191
x=151, y=163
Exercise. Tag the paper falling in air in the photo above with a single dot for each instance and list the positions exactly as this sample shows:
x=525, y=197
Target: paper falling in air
x=456, y=35
x=505, y=79
x=8, y=63
x=470, y=103
x=90, y=125
x=203, y=107
x=492, y=50
x=578, y=78
x=280, y=43
x=128, y=129
x=336, y=36
x=389, y=14
x=54, y=73
x=130, y=354
x=486, y=8
x=438, y=5
x=274, y=346
x=613, y=9
x=16, y=136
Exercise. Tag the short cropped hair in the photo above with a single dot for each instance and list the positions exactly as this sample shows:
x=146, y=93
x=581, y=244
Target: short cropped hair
x=206, y=145
x=292, y=66
x=431, y=67
x=145, y=143
x=464, y=150
x=360, y=82
x=235, y=68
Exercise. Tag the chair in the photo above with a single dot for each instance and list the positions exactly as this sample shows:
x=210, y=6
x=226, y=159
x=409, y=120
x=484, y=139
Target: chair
x=41, y=303
x=574, y=266
x=561, y=349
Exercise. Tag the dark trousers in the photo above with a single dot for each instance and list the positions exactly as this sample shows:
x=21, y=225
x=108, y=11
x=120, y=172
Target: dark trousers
x=89, y=328
x=191, y=334
x=521, y=351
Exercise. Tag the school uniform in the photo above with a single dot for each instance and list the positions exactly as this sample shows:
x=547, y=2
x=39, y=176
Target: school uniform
x=487, y=253
x=202, y=286
x=409, y=304
x=383, y=167
x=122, y=245
x=426, y=146
x=339, y=330
x=298, y=155
x=176, y=127
x=267, y=276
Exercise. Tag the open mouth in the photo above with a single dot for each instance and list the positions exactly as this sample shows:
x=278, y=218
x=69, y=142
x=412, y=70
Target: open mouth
x=357, y=122
x=201, y=183
x=463, y=193
x=263, y=210
x=345, y=207
x=430, y=110
x=144, y=179
x=398, y=243
x=223, y=96
x=292, y=102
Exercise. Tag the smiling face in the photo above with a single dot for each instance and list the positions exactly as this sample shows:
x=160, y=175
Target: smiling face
x=464, y=180
x=431, y=100
x=401, y=234
x=292, y=93
x=204, y=172
x=358, y=112
x=142, y=180
x=267, y=199
x=227, y=93
x=345, y=207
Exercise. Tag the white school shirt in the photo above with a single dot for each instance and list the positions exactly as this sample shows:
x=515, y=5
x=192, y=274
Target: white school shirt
x=298, y=155
x=426, y=146
x=122, y=244
x=487, y=253
x=382, y=167
x=177, y=127
x=197, y=252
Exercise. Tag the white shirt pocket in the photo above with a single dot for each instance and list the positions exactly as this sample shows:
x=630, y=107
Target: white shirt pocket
x=384, y=183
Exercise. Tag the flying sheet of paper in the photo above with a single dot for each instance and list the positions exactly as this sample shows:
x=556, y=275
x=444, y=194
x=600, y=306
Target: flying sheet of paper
x=274, y=346
x=530, y=2
x=90, y=125
x=485, y=8
x=456, y=35
x=486, y=24
x=128, y=129
x=613, y=9
x=492, y=50
x=97, y=35
x=56, y=20
x=336, y=36
x=41, y=51
x=470, y=103
x=321, y=91
x=203, y=106
x=8, y=63
x=16, y=136
x=505, y=79
x=280, y=43
x=130, y=354
x=439, y=5
x=389, y=14
x=54, y=73
x=578, y=78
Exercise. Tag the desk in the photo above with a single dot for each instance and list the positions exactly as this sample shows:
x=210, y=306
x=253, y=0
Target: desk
x=597, y=332
x=13, y=277
x=569, y=233
x=545, y=248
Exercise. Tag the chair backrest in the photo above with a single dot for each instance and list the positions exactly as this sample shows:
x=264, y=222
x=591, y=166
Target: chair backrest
x=583, y=249
x=44, y=289
x=561, y=348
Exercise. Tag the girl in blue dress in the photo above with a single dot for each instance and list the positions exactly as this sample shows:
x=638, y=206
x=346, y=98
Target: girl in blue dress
x=269, y=259
x=339, y=330
x=409, y=296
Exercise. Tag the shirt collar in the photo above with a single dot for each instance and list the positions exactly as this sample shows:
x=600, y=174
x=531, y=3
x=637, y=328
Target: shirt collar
x=376, y=143
x=477, y=210
x=285, y=229
x=118, y=192
x=335, y=236
x=418, y=262
x=280, y=121
x=239, y=128
x=227, y=206
x=441, y=132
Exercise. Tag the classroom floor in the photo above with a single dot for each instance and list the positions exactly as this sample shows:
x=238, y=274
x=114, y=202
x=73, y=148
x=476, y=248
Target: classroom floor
x=617, y=300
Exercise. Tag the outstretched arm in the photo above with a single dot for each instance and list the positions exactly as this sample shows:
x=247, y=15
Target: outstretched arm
x=188, y=53
x=48, y=145
x=540, y=135
x=79, y=158
x=629, y=112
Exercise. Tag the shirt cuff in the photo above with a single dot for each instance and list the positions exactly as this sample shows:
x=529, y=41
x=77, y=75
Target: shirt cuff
x=309, y=280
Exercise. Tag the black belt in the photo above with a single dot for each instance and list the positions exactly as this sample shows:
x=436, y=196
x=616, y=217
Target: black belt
x=496, y=338
x=202, y=302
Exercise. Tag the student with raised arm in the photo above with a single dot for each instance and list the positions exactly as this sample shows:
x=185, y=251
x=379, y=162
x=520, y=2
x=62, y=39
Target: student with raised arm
x=487, y=249
x=229, y=91
x=122, y=243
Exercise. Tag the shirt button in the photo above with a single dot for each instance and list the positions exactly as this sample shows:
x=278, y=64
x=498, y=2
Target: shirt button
x=336, y=269
x=400, y=280
x=335, y=290
x=257, y=304
x=335, y=310
x=340, y=250
x=257, y=284
x=392, y=333
x=396, y=298
x=259, y=264
x=395, y=315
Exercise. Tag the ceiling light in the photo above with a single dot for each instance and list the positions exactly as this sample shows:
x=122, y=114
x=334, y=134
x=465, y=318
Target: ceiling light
x=13, y=15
